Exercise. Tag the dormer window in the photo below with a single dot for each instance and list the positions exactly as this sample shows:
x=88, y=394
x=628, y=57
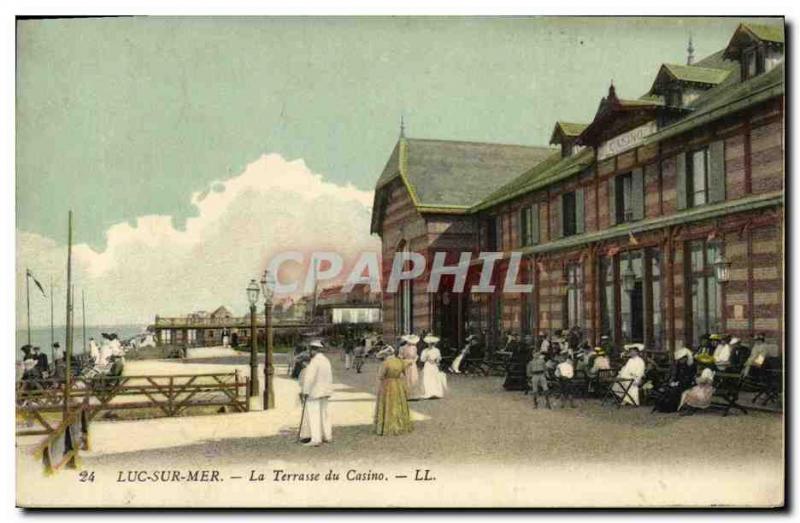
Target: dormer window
x=752, y=63
x=674, y=97
x=565, y=134
x=759, y=48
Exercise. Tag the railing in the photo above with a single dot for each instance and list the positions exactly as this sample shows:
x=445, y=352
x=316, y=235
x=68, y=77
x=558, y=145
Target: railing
x=64, y=442
x=164, y=395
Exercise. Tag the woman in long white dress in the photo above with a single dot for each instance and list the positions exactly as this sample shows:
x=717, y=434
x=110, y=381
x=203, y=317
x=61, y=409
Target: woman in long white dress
x=432, y=382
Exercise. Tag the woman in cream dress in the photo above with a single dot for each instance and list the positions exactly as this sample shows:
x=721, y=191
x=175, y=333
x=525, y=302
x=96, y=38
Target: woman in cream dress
x=432, y=383
x=408, y=353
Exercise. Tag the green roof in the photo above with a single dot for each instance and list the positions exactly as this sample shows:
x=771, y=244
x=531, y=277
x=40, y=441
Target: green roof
x=724, y=100
x=568, y=129
x=768, y=33
x=694, y=73
x=551, y=170
x=453, y=174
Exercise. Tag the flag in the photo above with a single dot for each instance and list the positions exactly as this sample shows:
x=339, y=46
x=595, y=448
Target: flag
x=632, y=239
x=29, y=274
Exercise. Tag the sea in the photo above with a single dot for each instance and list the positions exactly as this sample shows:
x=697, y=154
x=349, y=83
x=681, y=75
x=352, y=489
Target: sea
x=40, y=337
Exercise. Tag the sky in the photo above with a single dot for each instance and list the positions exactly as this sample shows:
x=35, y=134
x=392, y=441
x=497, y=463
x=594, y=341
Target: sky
x=190, y=149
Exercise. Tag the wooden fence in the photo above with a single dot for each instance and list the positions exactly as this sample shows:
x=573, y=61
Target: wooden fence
x=163, y=395
x=63, y=444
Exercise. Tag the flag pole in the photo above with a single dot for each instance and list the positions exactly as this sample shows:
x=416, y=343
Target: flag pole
x=68, y=341
x=83, y=317
x=28, y=300
x=52, y=330
x=72, y=320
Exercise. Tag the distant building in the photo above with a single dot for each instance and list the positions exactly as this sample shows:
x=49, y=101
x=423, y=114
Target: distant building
x=359, y=305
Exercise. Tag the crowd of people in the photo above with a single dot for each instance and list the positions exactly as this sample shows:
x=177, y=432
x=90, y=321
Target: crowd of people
x=683, y=383
x=105, y=359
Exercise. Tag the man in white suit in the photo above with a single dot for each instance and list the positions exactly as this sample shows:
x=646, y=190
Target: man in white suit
x=316, y=387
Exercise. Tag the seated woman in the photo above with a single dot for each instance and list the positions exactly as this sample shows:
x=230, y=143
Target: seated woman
x=699, y=396
x=668, y=396
x=631, y=374
x=599, y=362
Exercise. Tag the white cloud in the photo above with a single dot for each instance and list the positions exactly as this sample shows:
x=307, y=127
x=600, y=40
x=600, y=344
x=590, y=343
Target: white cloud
x=153, y=268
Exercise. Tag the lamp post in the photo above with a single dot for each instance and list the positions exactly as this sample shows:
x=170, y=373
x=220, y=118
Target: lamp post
x=268, y=288
x=252, y=297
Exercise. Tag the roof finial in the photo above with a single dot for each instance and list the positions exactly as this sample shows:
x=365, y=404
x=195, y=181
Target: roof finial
x=690, y=49
x=612, y=92
x=402, y=126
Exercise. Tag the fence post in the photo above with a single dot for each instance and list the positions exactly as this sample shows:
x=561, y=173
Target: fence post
x=170, y=405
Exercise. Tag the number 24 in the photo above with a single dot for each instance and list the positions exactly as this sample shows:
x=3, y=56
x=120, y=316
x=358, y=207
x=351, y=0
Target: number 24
x=86, y=475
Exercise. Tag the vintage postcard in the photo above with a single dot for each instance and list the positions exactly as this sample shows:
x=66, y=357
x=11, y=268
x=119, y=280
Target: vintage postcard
x=400, y=262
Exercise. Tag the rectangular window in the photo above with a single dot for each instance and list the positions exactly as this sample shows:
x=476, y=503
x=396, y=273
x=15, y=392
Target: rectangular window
x=658, y=333
x=574, y=298
x=524, y=226
x=569, y=213
x=491, y=233
x=528, y=225
x=697, y=178
x=624, y=197
x=607, y=305
x=705, y=313
x=753, y=62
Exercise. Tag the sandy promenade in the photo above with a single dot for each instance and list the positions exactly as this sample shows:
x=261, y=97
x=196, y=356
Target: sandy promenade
x=480, y=446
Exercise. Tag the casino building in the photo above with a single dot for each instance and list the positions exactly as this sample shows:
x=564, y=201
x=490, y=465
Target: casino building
x=659, y=220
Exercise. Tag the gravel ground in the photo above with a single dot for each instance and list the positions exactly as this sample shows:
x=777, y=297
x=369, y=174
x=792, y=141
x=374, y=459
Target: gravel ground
x=478, y=422
x=483, y=447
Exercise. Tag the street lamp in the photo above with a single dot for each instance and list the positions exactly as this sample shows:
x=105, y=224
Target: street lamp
x=268, y=289
x=629, y=277
x=722, y=268
x=252, y=297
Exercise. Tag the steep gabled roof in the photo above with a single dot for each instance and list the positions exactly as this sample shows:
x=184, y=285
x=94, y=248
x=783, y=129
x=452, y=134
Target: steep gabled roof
x=691, y=73
x=221, y=311
x=764, y=32
x=446, y=174
x=566, y=129
x=745, y=34
x=726, y=99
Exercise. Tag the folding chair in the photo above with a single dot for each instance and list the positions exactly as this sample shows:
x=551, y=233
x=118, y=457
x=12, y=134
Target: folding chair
x=768, y=387
x=726, y=389
x=601, y=382
x=619, y=396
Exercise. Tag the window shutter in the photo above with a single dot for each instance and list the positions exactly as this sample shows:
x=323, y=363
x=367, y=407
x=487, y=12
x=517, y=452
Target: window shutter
x=716, y=171
x=579, y=211
x=680, y=180
x=637, y=193
x=559, y=208
x=535, y=223
x=612, y=201
x=523, y=226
